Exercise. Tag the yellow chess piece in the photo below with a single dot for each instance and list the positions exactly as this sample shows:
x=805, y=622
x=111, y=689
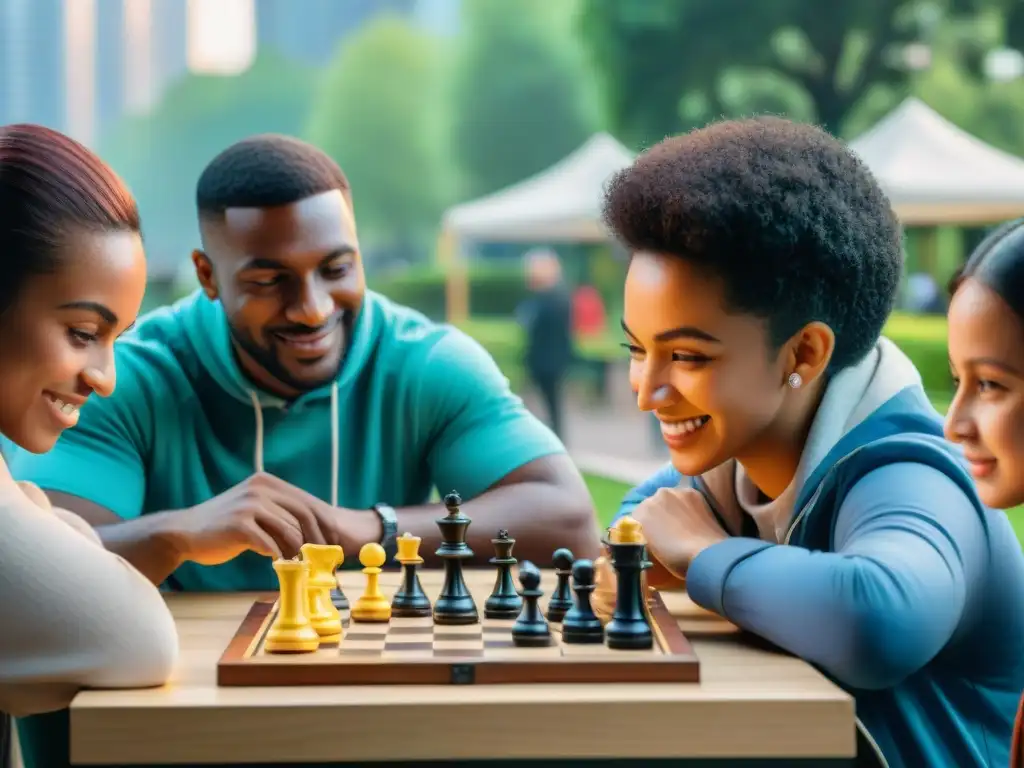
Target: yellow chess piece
x=323, y=560
x=371, y=605
x=291, y=631
x=627, y=530
x=408, y=549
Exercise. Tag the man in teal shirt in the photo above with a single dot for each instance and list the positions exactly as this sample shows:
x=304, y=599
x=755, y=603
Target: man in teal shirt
x=284, y=403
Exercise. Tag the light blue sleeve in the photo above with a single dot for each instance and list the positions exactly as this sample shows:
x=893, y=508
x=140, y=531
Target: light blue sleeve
x=878, y=608
x=666, y=477
x=103, y=458
x=477, y=429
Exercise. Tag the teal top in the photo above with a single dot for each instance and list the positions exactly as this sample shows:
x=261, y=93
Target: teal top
x=416, y=406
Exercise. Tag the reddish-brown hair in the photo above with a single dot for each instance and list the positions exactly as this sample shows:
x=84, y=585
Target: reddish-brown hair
x=50, y=187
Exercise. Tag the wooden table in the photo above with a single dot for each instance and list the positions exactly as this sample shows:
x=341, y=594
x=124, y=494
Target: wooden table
x=751, y=703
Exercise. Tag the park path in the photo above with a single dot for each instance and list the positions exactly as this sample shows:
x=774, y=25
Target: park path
x=612, y=437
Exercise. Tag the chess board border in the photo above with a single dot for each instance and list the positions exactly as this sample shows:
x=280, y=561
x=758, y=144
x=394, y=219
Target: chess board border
x=677, y=664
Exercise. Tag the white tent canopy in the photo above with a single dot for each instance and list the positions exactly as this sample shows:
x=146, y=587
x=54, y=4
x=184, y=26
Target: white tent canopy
x=560, y=204
x=935, y=173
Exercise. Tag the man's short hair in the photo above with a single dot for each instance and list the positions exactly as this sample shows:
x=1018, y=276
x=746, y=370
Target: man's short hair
x=264, y=171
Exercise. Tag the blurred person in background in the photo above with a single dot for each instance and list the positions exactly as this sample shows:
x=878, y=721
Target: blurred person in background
x=547, y=321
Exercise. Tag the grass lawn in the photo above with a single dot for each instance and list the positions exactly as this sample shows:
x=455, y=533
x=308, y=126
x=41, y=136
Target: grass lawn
x=607, y=495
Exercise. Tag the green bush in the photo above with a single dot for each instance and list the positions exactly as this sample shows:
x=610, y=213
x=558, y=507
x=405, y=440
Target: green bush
x=494, y=289
x=923, y=339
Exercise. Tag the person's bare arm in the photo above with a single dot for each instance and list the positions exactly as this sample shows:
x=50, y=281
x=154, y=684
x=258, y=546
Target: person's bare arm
x=544, y=505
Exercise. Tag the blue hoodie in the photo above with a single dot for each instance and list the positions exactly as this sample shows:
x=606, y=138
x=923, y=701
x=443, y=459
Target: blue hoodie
x=416, y=406
x=886, y=572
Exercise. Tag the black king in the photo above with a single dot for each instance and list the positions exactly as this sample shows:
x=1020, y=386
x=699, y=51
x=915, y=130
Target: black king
x=455, y=604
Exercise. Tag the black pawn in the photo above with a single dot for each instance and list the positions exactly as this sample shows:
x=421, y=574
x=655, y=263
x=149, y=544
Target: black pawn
x=561, y=598
x=530, y=629
x=455, y=604
x=504, y=602
x=580, y=624
x=629, y=628
x=410, y=600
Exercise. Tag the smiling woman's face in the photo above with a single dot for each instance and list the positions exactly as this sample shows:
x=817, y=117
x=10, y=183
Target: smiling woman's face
x=986, y=356
x=707, y=375
x=56, y=340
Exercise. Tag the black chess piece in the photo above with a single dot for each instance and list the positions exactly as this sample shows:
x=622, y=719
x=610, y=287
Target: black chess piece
x=561, y=597
x=580, y=624
x=629, y=628
x=455, y=604
x=410, y=600
x=504, y=601
x=338, y=597
x=531, y=630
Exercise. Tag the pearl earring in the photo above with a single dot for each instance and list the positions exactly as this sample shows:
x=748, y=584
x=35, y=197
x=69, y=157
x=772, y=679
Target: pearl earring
x=795, y=380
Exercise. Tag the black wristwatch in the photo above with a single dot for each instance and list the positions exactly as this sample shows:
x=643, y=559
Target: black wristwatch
x=389, y=521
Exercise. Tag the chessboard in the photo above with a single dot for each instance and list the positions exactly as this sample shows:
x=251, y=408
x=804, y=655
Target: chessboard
x=454, y=626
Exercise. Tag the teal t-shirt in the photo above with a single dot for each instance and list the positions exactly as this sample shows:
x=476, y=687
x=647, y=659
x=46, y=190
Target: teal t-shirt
x=420, y=406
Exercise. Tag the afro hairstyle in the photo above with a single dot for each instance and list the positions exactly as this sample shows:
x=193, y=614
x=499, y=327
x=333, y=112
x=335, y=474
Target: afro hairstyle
x=787, y=218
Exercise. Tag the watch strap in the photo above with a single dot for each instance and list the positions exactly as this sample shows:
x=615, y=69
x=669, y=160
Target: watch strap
x=389, y=522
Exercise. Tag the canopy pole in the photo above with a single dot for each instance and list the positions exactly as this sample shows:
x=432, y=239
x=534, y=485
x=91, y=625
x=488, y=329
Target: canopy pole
x=456, y=278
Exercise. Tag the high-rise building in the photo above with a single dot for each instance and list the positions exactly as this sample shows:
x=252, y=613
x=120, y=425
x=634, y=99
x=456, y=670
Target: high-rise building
x=81, y=65
x=32, y=62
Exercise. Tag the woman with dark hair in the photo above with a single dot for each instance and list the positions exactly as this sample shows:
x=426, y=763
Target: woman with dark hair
x=812, y=499
x=73, y=614
x=986, y=357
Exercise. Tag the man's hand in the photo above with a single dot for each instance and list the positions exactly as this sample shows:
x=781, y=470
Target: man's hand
x=267, y=515
x=678, y=525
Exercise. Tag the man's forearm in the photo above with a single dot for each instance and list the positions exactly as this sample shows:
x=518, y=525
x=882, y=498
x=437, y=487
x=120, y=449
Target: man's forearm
x=540, y=516
x=148, y=543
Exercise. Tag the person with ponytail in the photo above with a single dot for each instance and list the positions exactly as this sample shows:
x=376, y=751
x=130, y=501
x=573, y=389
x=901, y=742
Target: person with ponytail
x=986, y=417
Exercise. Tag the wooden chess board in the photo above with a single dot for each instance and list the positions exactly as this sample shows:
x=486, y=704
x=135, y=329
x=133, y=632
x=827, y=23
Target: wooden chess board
x=410, y=651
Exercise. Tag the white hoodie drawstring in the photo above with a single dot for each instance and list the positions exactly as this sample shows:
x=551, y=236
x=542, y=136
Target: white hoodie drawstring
x=258, y=458
x=258, y=452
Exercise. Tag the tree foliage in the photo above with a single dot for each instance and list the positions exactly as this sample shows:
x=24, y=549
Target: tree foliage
x=659, y=57
x=378, y=112
x=162, y=153
x=521, y=94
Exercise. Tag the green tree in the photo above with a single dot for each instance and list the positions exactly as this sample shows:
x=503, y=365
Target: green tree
x=956, y=86
x=522, y=94
x=378, y=112
x=161, y=154
x=659, y=58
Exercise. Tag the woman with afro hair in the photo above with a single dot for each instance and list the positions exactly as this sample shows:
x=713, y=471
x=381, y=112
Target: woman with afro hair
x=811, y=498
